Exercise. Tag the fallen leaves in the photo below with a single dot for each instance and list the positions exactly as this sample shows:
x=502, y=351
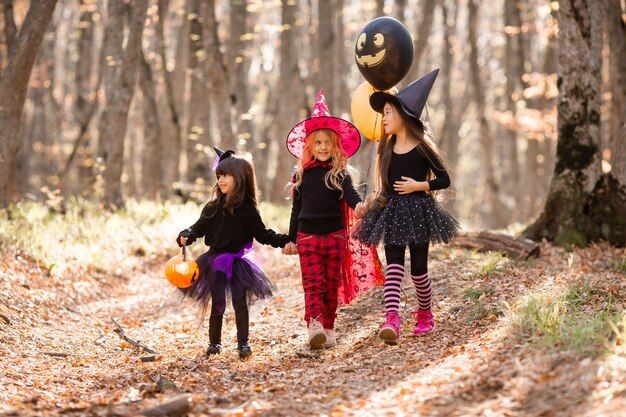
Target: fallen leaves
x=60, y=353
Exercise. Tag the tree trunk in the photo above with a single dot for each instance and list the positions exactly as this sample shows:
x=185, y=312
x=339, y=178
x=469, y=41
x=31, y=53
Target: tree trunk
x=616, y=29
x=119, y=85
x=151, y=174
x=342, y=53
x=492, y=207
x=289, y=101
x=540, y=144
x=10, y=30
x=14, y=85
x=172, y=129
x=325, y=42
x=514, y=72
x=198, y=141
x=380, y=8
x=86, y=103
x=582, y=206
x=449, y=130
x=420, y=43
x=399, y=9
x=219, y=78
x=239, y=64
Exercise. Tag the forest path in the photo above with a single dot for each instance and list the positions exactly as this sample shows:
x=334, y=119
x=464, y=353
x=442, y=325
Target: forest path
x=61, y=356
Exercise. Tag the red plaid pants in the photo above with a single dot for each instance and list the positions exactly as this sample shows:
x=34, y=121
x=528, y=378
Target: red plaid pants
x=321, y=259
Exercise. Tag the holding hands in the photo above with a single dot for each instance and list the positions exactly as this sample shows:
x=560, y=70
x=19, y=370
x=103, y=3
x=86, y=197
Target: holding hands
x=360, y=209
x=290, y=249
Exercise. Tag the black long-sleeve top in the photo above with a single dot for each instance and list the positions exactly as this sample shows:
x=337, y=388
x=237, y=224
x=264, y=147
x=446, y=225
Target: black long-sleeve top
x=229, y=233
x=413, y=165
x=316, y=208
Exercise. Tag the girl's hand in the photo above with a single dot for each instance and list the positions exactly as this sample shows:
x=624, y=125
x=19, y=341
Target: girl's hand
x=290, y=249
x=360, y=209
x=409, y=185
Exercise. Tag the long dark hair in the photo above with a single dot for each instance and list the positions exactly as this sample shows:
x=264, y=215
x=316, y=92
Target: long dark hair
x=245, y=186
x=425, y=146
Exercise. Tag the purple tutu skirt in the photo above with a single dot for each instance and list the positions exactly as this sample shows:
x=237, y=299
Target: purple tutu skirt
x=415, y=218
x=224, y=275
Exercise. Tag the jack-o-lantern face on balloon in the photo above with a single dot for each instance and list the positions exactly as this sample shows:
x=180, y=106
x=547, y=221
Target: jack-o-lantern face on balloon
x=372, y=52
x=384, y=52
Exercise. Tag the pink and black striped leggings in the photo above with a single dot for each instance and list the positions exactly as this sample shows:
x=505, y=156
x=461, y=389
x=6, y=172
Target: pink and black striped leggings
x=395, y=274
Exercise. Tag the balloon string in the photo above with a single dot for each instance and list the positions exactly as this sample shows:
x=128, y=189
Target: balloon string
x=369, y=164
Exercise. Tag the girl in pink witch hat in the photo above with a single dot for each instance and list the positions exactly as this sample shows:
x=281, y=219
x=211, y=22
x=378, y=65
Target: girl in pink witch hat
x=323, y=201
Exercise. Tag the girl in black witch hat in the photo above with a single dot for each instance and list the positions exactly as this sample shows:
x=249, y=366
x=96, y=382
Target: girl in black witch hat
x=404, y=212
x=229, y=222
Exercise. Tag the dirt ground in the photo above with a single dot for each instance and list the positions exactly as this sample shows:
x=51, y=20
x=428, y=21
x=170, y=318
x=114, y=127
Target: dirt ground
x=60, y=354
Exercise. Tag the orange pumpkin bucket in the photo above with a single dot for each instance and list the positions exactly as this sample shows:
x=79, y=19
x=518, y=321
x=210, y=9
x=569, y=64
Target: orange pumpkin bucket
x=182, y=270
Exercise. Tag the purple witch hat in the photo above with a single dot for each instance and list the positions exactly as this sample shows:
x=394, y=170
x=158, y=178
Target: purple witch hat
x=411, y=99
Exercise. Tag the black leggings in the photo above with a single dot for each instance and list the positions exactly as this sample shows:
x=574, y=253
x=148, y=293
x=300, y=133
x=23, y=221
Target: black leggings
x=419, y=257
x=242, y=318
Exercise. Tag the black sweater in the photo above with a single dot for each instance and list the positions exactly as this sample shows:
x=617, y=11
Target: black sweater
x=225, y=232
x=316, y=208
x=414, y=165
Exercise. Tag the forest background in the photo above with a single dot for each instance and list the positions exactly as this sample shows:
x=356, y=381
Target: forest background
x=240, y=74
x=109, y=111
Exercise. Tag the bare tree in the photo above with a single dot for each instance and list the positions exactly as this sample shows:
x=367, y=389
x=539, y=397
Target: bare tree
x=86, y=104
x=420, y=43
x=239, y=65
x=616, y=29
x=583, y=205
x=14, y=84
x=219, y=77
x=289, y=102
x=514, y=67
x=172, y=126
x=399, y=9
x=151, y=173
x=198, y=143
x=120, y=76
x=341, y=95
x=380, y=8
x=10, y=29
x=326, y=38
x=454, y=100
x=492, y=206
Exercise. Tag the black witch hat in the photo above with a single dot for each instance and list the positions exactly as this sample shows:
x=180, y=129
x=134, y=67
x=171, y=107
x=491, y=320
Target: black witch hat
x=411, y=99
x=221, y=155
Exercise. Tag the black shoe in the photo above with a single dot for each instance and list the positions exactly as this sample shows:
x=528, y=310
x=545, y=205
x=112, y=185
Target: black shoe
x=244, y=351
x=213, y=349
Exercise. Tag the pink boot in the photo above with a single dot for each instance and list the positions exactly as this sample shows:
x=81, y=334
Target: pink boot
x=390, y=331
x=424, y=322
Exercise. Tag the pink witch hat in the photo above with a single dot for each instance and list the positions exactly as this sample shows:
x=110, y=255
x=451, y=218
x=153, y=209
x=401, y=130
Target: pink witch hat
x=321, y=119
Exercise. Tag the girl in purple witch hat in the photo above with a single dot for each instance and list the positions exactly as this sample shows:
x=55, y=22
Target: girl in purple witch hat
x=404, y=212
x=229, y=222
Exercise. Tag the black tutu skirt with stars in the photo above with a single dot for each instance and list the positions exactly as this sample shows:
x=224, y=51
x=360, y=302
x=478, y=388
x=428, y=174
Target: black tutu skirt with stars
x=415, y=218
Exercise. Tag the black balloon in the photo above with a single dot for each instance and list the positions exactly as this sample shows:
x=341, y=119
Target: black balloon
x=384, y=52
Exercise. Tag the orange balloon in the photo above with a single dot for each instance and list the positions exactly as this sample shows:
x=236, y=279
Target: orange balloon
x=182, y=270
x=366, y=119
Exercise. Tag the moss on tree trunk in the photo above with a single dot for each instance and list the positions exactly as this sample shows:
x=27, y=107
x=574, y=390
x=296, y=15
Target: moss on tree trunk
x=574, y=217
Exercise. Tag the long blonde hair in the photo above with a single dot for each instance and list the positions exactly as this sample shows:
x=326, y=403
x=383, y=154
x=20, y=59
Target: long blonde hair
x=334, y=178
